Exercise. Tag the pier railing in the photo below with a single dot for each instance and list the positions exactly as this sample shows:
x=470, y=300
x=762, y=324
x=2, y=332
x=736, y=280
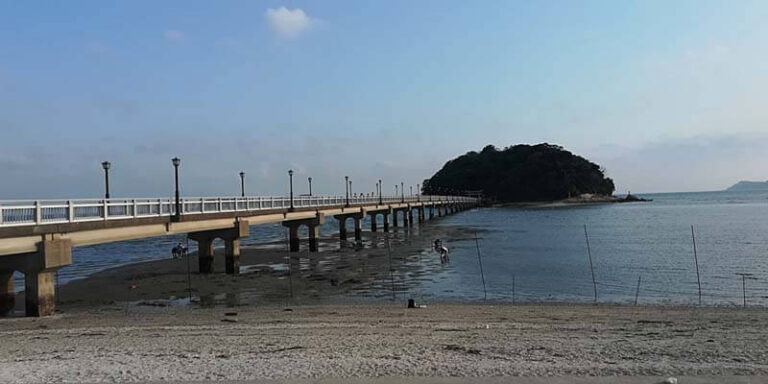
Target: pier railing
x=40, y=212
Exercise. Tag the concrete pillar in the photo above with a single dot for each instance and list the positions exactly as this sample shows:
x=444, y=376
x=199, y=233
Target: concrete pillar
x=205, y=254
x=343, y=228
x=394, y=218
x=314, y=234
x=293, y=237
x=439, y=211
x=40, y=274
x=421, y=214
x=358, y=228
x=232, y=256
x=410, y=216
x=231, y=238
x=313, y=224
x=7, y=296
x=431, y=212
x=373, y=222
x=386, y=221
x=39, y=292
x=406, y=219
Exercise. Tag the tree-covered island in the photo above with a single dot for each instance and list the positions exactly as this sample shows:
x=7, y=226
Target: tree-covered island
x=522, y=173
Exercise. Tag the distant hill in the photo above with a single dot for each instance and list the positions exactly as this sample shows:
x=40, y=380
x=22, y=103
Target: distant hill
x=749, y=186
x=542, y=172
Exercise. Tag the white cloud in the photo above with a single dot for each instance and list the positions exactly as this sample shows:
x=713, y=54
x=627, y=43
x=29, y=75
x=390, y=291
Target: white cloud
x=288, y=23
x=173, y=36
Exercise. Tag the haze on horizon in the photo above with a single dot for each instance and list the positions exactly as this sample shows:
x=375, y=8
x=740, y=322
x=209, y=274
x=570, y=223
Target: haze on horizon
x=667, y=96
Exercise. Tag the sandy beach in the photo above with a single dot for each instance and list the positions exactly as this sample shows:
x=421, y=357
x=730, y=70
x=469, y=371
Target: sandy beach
x=331, y=317
x=352, y=341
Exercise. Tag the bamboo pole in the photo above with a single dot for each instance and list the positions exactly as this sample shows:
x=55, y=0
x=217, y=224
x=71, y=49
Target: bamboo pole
x=591, y=267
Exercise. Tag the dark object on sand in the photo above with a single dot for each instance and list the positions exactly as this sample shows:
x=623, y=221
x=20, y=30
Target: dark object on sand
x=411, y=303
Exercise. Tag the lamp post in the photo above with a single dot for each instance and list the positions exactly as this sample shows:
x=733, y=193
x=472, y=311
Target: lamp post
x=350, y=188
x=418, y=192
x=106, y=165
x=176, y=162
x=402, y=192
x=242, y=184
x=396, y=193
x=346, y=186
x=290, y=177
x=310, y=185
x=411, y=190
x=380, y=201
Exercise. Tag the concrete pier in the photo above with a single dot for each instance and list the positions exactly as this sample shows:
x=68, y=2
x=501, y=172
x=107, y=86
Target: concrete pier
x=39, y=270
x=357, y=217
x=231, y=238
x=312, y=225
x=39, y=248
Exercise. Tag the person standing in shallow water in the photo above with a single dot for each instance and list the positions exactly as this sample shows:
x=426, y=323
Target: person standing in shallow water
x=438, y=246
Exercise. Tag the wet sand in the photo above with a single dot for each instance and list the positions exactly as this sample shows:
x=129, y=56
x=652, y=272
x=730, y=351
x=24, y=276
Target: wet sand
x=339, y=272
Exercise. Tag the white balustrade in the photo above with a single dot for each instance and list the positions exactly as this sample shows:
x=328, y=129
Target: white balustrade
x=40, y=212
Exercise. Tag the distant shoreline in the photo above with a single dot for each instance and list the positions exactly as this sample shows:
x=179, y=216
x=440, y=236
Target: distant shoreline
x=586, y=199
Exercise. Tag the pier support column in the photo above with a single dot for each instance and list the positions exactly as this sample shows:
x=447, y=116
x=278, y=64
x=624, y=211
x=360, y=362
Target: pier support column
x=343, y=228
x=314, y=233
x=406, y=222
x=439, y=211
x=231, y=237
x=431, y=212
x=386, y=221
x=39, y=292
x=358, y=221
x=7, y=296
x=40, y=275
x=373, y=222
x=205, y=254
x=421, y=214
x=394, y=219
x=313, y=224
x=232, y=256
x=409, y=216
x=293, y=238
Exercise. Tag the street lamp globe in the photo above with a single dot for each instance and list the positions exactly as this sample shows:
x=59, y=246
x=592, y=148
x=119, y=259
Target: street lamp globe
x=106, y=165
x=176, y=161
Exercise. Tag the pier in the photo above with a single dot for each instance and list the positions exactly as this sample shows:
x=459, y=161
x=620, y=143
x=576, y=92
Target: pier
x=36, y=237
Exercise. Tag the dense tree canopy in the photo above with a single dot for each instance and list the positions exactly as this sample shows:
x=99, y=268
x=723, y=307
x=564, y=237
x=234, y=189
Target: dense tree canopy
x=542, y=172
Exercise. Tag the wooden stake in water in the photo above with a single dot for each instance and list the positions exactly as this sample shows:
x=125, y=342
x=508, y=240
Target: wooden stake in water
x=290, y=267
x=637, y=291
x=480, y=261
x=391, y=270
x=189, y=273
x=696, y=261
x=591, y=268
x=513, y=289
x=744, y=277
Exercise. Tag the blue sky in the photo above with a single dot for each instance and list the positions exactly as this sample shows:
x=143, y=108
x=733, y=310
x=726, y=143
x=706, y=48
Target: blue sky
x=668, y=96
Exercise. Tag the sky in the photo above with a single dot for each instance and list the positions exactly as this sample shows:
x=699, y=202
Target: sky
x=666, y=95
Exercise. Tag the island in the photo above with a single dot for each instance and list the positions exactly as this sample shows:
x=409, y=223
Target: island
x=525, y=173
x=749, y=186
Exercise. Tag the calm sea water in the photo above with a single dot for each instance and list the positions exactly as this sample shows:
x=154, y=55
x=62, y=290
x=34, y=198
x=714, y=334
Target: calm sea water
x=544, y=252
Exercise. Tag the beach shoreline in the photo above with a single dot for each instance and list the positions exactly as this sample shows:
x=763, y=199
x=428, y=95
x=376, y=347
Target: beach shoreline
x=289, y=341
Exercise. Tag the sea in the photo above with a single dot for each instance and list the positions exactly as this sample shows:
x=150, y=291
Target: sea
x=681, y=248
